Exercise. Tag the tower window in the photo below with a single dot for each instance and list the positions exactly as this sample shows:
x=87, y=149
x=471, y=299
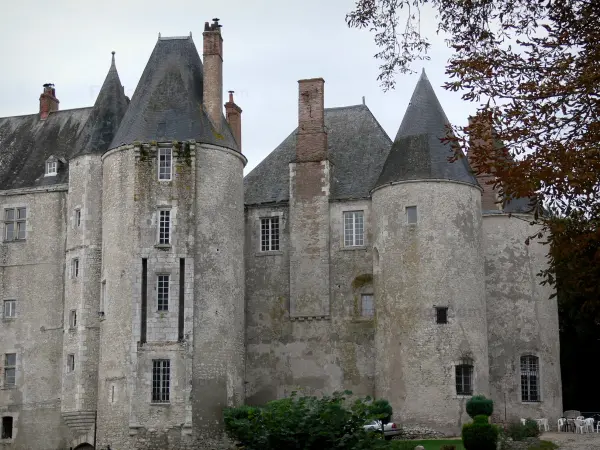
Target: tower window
x=73, y=318
x=70, y=362
x=10, y=370
x=77, y=218
x=164, y=226
x=75, y=268
x=165, y=164
x=9, y=309
x=15, y=220
x=161, y=380
x=441, y=314
x=354, y=229
x=367, y=308
x=7, y=427
x=269, y=234
x=411, y=215
x=51, y=168
x=464, y=377
x=530, y=378
x=162, y=290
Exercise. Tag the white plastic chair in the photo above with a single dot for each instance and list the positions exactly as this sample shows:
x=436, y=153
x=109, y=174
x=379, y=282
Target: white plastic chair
x=561, y=424
x=579, y=426
x=589, y=425
x=523, y=421
x=542, y=424
x=580, y=418
x=598, y=426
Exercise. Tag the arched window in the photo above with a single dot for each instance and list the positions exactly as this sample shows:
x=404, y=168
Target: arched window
x=530, y=378
x=464, y=377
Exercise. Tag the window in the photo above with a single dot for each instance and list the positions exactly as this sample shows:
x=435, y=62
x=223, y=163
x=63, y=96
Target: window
x=102, y=297
x=441, y=314
x=51, y=167
x=77, y=218
x=75, y=268
x=354, y=229
x=162, y=290
x=464, y=377
x=70, y=362
x=10, y=369
x=530, y=378
x=73, y=318
x=367, y=308
x=7, y=427
x=15, y=220
x=161, y=380
x=165, y=163
x=164, y=226
x=269, y=234
x=411, y=215
x=10, y=309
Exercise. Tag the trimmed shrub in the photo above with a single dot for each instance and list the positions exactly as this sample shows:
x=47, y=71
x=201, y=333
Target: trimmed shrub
x=532, y=428
x=480, y=405
x=518, y=432
x=481, y=419
x=479, y=436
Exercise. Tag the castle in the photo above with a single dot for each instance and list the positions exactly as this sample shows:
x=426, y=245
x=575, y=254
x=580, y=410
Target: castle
x=146, y=284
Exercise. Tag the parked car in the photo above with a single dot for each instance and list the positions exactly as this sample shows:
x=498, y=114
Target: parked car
x=389, y=429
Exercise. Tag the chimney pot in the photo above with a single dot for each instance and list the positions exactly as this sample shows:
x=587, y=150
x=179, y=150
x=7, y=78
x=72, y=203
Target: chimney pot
x=48, y=101
x=233, y=113
x=311, y=144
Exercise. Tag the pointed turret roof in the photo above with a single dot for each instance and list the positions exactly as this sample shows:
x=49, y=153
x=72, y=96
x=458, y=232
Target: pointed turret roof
x=418, y=152
x=106, y=115
x=167, y=103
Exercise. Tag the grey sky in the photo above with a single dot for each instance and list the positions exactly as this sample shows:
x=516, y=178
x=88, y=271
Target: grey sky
x=268, y=46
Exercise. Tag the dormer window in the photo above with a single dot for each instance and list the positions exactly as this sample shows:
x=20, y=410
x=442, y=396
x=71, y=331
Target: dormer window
x=51, y=168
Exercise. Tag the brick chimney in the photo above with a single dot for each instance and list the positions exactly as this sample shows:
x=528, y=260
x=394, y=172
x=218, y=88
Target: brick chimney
x=311, y=142
x=233, y=113
x=48, y=101
x=213, y=72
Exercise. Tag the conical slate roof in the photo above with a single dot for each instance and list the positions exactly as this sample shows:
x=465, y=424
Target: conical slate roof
x=106, y=115
x=167, y=103
x=418, y=152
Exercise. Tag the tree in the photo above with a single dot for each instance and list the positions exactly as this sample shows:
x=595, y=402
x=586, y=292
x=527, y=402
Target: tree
x=532, y=68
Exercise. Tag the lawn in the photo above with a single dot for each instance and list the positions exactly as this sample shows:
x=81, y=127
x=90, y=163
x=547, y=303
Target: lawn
x=431, y=444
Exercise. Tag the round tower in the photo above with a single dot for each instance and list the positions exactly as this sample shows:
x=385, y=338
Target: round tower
x=431, y=336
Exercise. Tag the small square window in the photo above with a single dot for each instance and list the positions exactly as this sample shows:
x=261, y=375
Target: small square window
x=354, y=229
x=70, y=362
x=164, y=226
x=10, y=370
x=51, y=168
x=411, y=215
x=367, y=308
x=77, y=218
x=75, y=268
x=441, y=314
x=9, y=309
x=7, y=427
x=269, y=234
x=162, y=291
x=165, y=164
x=73, y=318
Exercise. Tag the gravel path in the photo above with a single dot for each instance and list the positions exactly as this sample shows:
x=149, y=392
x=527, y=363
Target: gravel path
x=572, y=441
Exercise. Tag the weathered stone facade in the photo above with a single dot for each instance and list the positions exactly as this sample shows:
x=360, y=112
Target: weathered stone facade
x=152, y=285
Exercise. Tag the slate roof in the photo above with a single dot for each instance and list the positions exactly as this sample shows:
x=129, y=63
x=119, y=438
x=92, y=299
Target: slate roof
x=357, y=146
x=417, y=152
x=167, y=103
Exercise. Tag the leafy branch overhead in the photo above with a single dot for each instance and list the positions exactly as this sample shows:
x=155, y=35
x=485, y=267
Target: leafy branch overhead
x=532, y=70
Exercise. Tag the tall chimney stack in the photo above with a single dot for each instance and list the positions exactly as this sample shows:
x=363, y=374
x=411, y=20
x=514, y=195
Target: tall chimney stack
x=48, y=101
x=311, y=142
x=213, y=72
x=233, y=113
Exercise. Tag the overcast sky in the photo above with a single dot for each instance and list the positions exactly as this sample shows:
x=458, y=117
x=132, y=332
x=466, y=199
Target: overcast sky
x=268, y=46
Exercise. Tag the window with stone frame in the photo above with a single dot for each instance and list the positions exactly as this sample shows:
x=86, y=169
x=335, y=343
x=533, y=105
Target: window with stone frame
x=75, y=268
x=164, y=226
x=464, y=377
x=162, y=292
x=161, y=380
x=354, y=229
x=77, y=217
x=367, y=307
x=9, y=309
x=165, y=164
x=70, y=362
x=411, y=215
x=530, y=378
x=15, y=224
x=7, y=427
x=73, y=318
x=269, y=234
x=51, y=168
x=10, y=370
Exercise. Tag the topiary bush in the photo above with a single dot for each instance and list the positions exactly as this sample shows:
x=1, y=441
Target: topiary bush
x=479, y=436
x=480, y=405
x=518, y=432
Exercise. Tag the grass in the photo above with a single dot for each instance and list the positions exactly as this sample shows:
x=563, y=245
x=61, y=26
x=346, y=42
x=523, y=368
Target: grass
x=430, y=444
x=543, y=445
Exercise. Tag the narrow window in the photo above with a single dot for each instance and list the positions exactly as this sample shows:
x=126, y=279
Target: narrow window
x=10, y=309
x=164, y=226
x=161, y=380
x=112, y=394
x=354, y=229
x=162, y=288
x=411, y=215
x=530, y=378
x=165, y=164
x=441, y=314
x=75, y=268
x=464, y=377
x=102, y=297
x=51, y=167
x=77, y=218
x=10, y=370
x=144, y=299
x=73, y=318
x=269, y=234
x=15, y=221
x=70, y=362
x=7, y=427
x=181, y=312
x=367, y=308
